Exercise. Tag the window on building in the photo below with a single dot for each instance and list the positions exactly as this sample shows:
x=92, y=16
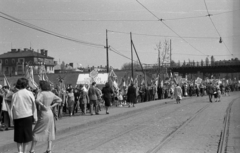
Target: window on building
x=13, y=61
x=21, y=60
x=0, y=61
x=6, y=61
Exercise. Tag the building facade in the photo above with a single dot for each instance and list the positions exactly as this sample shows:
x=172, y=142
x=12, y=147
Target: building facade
x=14, y=62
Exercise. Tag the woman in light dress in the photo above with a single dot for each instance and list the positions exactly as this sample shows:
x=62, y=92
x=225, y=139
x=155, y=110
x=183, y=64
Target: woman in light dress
x=24, y=113
x=178, y=94
x=44, y=129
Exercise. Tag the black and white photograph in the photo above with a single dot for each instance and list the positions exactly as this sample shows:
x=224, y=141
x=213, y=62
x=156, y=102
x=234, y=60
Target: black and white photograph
x=119, y=76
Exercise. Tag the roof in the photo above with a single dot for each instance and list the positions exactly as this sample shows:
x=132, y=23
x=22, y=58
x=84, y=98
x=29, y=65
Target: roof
x=28, y=53
x=57, y=67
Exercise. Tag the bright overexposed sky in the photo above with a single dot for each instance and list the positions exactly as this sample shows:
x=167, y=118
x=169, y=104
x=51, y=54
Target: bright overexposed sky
x=87, y=21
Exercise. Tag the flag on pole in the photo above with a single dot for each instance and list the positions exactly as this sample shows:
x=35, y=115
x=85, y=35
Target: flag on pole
x=136, y=81
x=30, y=78
x=6, y=82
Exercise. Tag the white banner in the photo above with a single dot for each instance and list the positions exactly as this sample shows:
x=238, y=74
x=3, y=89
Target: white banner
x=198, y=81
x=101, y=78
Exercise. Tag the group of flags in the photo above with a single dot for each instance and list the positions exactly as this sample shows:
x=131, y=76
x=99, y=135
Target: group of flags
x=30, y=77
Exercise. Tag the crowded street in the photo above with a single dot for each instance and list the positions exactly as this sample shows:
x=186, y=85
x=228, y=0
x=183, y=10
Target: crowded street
x=195, y=125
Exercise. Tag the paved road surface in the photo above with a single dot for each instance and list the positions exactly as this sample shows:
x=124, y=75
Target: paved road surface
x=194, y=126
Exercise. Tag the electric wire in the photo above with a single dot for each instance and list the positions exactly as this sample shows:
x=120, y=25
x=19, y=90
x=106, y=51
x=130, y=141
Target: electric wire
x=169, y=27
x=209, y=15
x=128, y=20
x=165, y=36
x=26, y=24
x=119, y=53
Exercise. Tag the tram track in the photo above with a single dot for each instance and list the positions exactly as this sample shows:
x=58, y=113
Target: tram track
x=223, y=142
x=134, y=128
x=171, y=135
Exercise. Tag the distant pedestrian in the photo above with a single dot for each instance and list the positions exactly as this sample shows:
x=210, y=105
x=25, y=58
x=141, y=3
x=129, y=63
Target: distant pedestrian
x=210, y=91
x=45, y=129
x=93, y=96
x=83, y=99
x=219, y=94
x=76, y=100
x=178, y=94
x=227, y=90
x=70, y=101
x=131, y=95
x=24, y=113
x=107, y=96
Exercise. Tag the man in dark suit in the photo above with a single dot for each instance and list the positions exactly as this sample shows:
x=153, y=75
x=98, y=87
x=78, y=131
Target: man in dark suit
x=131, y=95
x=210, y=91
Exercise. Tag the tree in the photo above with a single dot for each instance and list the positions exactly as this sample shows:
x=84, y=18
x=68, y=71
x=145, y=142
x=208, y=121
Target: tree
x=201, y=62
x=207, y=61
x=184, y=63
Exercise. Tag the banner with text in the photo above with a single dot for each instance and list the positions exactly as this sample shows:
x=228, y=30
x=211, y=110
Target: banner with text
x=101, y=78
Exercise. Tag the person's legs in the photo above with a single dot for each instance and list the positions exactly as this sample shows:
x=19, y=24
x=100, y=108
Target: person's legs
x=49, y=146
x=84, y=108
x=19, y=147
x=33, y=146
x=25, y=147
x=91, y=107
x=96, y=106
x=107, y=110
x=210, y=97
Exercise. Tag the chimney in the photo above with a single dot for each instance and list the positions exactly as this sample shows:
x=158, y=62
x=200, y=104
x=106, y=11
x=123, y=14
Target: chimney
x=46, y=53
x=42, y=51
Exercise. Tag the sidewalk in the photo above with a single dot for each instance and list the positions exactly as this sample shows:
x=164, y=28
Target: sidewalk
x=67, y=124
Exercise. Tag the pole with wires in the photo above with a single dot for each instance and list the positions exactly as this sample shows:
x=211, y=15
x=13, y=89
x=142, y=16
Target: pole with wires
x=107, y=51
x=131, y=52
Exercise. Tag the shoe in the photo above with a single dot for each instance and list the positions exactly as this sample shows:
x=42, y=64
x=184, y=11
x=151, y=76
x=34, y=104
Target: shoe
x=48, y=151
x=91, y=114
x=107, y=113
x=97, y=113
x=32, y=151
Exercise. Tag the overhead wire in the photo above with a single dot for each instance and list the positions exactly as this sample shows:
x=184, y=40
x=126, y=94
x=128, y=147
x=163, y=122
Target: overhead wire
x=209, y=15
x=129, y=20
x=165, y=36
x=169, y=27
x=117, y=52
x=26, y=24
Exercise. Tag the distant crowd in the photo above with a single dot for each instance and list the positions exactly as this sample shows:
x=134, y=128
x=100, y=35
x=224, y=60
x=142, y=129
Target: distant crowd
x=45, y=105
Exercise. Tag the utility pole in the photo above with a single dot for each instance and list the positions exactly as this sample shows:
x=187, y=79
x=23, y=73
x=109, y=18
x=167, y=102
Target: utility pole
x=131, y=52
x=107, y=51
x=159, y=62
x=170, y=53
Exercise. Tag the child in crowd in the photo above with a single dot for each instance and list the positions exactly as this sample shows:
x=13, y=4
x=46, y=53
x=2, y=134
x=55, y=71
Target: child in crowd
x=120, y=98
x=218, y=94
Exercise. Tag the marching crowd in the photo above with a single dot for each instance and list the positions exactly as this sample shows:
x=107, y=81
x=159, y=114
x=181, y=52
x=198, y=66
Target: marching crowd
x=21, y=107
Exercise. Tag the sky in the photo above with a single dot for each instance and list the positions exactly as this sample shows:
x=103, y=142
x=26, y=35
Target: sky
x=193, y=35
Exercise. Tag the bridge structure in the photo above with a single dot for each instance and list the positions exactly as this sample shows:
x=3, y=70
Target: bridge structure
x=217, y=69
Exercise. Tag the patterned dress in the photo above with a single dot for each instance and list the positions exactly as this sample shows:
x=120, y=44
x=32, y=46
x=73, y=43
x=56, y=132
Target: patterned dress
x=44, y=129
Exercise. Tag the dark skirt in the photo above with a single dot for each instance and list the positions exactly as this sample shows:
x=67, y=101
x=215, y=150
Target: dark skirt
x=23, y=130
x=107, y=102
